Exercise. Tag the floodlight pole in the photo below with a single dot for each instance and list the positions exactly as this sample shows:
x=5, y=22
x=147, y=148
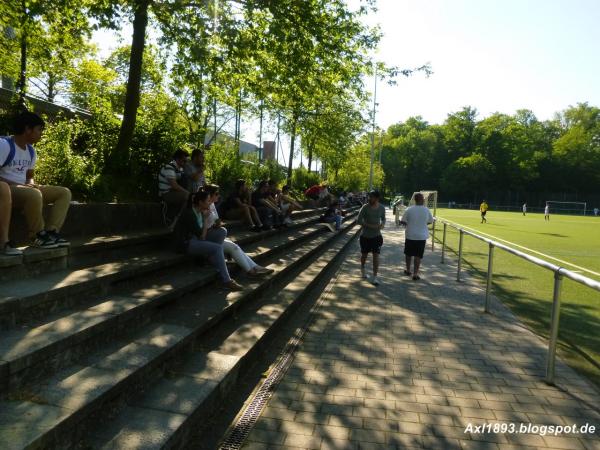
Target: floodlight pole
x=373, y=132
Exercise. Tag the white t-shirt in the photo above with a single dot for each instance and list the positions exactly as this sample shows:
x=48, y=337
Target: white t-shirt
x=547, y=210
x=524, y=208
x=417, y=217
x=213, y=217
x=16, y=171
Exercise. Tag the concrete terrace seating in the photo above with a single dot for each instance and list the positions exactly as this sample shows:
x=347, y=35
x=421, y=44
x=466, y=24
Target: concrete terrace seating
x=105, y=344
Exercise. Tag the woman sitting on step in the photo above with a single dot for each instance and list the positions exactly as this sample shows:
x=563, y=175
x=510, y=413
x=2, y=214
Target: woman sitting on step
x=229, y=247
x=190, y=237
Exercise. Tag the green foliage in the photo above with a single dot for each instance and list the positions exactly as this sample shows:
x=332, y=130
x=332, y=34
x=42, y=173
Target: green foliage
x=302, y=179
x=58, y=164
x=501, y=153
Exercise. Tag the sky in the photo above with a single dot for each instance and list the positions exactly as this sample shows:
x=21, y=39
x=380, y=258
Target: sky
x=494, y=55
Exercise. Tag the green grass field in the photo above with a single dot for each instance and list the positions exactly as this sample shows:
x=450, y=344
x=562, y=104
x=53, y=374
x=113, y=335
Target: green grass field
x=571, y=242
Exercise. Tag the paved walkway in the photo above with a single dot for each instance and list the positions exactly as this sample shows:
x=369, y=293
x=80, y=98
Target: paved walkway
x=413, y=364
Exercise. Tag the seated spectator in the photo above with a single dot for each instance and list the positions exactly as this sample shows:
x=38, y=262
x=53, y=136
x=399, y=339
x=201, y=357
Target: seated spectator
x=193, y=172
x=190, y=237
x=230, y=248
x=18, y=159
x=319, y=194
x=237, y=206
x=170, y=190
x=331, y=216
x=288, y=205
x=269, y=213
x=6, y=248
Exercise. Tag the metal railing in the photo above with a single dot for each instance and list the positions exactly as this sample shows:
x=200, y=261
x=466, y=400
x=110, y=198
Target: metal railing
x=559, y=274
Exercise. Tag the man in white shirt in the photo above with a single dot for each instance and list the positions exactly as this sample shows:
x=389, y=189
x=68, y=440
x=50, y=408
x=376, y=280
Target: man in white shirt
x=524, y=209
x=547, y=212
x=415, y=218
x=17, y=163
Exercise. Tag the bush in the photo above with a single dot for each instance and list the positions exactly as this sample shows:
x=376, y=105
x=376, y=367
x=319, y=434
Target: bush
x=302, y=179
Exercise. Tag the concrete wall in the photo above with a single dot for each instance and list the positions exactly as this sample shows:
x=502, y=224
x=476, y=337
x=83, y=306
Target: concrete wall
x=98, y=219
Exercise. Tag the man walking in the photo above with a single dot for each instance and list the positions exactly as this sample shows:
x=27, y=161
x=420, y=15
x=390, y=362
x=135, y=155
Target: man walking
x=372, y=220
x=415, y=218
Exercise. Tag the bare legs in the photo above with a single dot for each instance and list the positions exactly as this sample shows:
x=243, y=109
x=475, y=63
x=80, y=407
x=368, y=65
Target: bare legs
x=417, y=265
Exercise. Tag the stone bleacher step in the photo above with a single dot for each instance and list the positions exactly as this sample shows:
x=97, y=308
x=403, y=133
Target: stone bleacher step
x=170, y=412
x=36, y=261
x=28, y=351
x=22, y=299
x=51, y=411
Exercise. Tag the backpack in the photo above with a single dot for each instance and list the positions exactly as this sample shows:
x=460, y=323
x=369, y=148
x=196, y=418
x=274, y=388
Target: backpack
x=13, y=149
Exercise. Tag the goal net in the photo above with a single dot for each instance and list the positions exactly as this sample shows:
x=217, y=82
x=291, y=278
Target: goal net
x=430, y=200
x=556, y=207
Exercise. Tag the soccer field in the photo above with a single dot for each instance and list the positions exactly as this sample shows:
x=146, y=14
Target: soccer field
x=572, y=242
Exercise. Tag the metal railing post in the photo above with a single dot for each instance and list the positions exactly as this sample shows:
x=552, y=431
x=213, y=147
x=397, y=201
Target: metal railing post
x=433, y=237
x=488, y=288
x=554, y=327
x=460, y=248
x=444, y=243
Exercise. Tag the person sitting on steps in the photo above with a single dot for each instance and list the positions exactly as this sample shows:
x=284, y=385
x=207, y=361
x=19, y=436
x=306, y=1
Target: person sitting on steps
x=288, y=205
x=6, y=247
x=237, y=206
x=170, y=189
x=17, y=167
x=190, y=234
x=230, y=248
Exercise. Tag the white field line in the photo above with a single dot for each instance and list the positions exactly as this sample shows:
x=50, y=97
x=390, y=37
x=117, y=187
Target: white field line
x=527, y=249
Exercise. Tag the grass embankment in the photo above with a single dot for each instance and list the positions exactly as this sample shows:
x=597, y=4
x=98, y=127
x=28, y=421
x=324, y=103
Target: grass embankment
x=573, y=242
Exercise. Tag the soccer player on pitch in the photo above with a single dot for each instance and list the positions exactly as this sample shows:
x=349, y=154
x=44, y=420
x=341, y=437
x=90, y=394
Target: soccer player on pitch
x=547, y=212
x=483, y=208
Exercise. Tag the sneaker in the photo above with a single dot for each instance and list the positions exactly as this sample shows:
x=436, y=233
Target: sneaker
x=375, y=281
x=58, y=239
x=233, y=286
x=44, y=240
x=363, y=272
x=9, y=250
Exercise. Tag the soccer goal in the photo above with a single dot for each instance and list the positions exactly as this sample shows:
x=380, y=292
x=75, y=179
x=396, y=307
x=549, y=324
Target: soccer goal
x=430, y=200
x=556, y=207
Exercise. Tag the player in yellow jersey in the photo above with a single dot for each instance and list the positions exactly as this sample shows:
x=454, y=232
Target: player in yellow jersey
x=483, y=208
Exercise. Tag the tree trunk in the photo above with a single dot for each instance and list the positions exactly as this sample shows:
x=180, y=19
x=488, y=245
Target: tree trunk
x=132, y=95
x=292, y=142
x=51, y=87
x=310, y=154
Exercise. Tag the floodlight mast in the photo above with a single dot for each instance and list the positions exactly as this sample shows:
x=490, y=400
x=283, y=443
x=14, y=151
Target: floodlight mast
x=373, y=132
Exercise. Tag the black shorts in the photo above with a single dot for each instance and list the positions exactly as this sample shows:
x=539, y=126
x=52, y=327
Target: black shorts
x=414, y=248
x=371, y=245
x=483, y=213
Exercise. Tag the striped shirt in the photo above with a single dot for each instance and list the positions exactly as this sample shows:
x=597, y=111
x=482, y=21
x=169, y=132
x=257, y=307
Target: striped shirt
x=168, y=172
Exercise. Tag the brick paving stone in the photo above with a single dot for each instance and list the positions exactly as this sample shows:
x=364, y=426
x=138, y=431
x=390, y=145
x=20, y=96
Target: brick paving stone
x=411, y=364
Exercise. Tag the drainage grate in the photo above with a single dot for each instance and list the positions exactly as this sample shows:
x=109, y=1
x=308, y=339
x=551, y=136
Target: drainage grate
x=248, y=419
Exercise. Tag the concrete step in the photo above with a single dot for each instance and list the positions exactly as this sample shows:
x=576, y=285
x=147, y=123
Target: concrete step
x=91, y=250
x=42, y=347
x=23, y=299
x=170, y=412
x=75, y=393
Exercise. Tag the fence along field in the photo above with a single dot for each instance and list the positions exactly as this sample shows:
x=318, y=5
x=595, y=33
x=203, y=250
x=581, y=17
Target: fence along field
x=572, y=242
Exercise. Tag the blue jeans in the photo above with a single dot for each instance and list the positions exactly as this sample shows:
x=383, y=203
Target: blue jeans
x=212, y=251
x=337, y=219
